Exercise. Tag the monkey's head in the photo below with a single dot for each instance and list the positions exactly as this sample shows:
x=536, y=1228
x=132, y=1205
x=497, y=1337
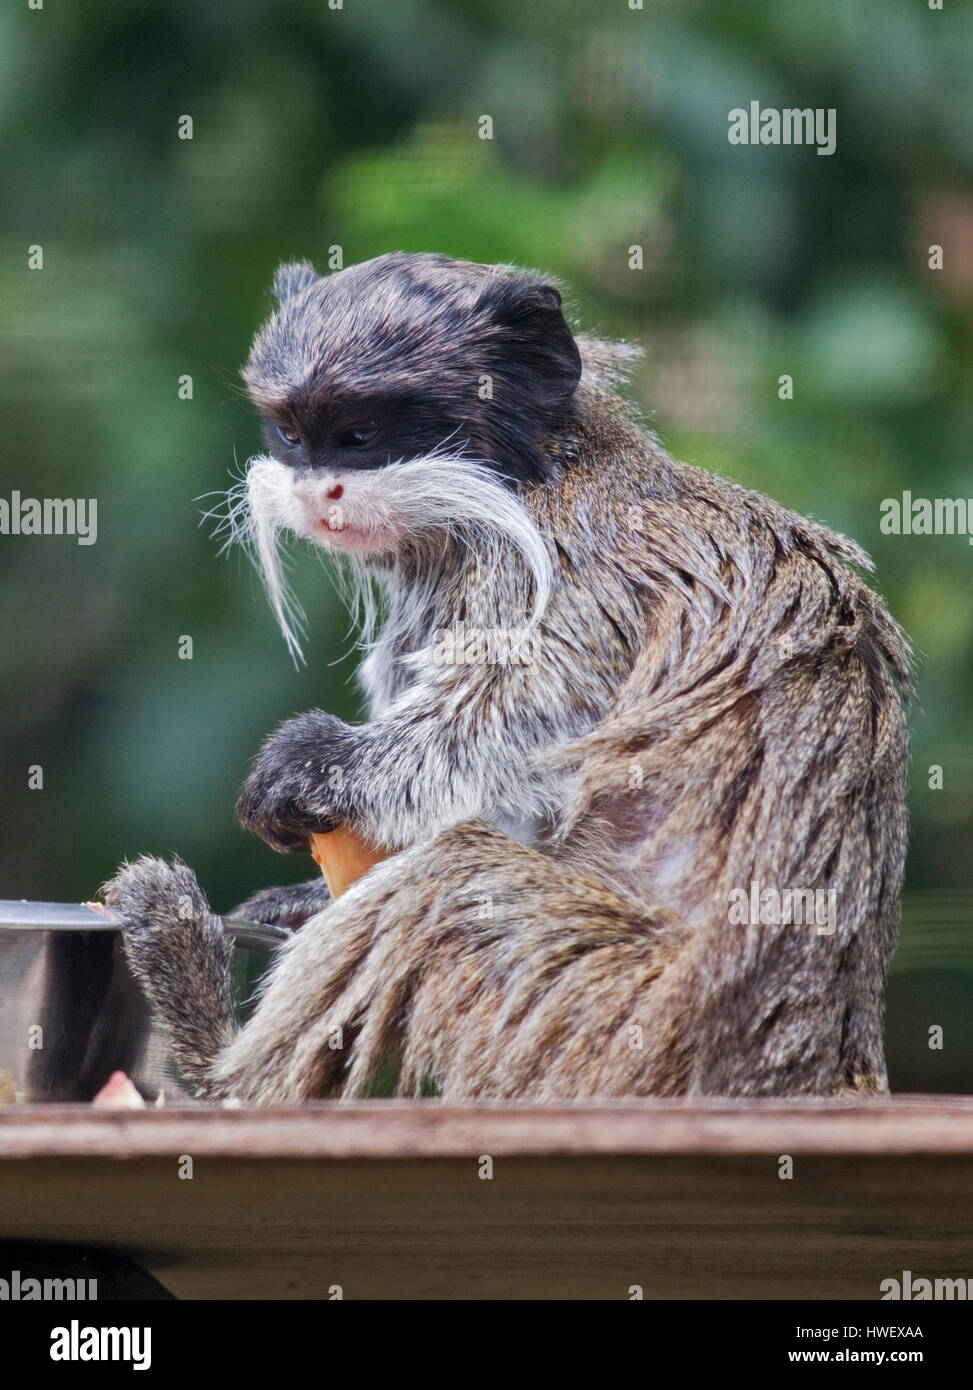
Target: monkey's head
x=405, y=358
x=403, y=399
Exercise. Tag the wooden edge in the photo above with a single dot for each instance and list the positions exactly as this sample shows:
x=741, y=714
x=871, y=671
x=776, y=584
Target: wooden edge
x=429, y=1129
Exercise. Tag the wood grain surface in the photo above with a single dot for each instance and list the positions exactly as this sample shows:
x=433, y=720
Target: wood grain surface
x=384, y=1198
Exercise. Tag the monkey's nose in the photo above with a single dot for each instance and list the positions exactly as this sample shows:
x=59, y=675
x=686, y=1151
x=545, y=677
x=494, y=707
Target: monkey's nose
x=335, y=492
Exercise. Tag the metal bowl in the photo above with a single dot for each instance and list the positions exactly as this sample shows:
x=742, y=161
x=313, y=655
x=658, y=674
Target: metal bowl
x=71, y=1012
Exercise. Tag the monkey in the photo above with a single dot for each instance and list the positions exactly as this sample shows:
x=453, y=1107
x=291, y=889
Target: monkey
x=610, y=696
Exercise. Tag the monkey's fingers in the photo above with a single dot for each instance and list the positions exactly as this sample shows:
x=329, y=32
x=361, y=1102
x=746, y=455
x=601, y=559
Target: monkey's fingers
x=343, y=856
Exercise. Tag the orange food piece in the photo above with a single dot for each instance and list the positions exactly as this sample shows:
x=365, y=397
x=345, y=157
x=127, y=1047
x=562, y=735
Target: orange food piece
x=343, y=856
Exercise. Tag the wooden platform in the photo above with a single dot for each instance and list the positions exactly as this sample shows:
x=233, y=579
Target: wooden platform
x=384, y=1198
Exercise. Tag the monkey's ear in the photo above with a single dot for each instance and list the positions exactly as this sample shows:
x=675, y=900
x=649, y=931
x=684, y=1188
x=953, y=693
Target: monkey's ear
x=291, y=279
x=535, y=336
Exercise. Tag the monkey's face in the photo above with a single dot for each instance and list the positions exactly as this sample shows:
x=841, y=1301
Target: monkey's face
x=405, y=360
x=337, y=461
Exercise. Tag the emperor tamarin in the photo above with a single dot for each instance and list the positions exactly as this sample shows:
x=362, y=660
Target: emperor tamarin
x=630, y=726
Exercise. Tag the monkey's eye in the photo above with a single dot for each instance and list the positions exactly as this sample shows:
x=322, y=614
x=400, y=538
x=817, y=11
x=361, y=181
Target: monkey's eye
x=289, y=436
x=357, y=436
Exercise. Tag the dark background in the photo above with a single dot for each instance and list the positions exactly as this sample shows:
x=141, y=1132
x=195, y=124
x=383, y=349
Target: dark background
x=357, y=128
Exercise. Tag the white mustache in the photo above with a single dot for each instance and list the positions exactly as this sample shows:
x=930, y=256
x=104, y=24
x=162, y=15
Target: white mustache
x=422, y=500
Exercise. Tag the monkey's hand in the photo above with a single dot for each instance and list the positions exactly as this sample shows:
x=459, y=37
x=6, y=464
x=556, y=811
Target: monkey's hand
x=298, y=780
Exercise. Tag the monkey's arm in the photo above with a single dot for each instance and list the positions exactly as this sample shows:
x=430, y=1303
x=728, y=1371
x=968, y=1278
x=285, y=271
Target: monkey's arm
x=461, y=743
x=290, y=905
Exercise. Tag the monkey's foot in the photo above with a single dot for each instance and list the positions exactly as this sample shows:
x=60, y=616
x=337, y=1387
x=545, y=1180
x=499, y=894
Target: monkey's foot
x=179, y=953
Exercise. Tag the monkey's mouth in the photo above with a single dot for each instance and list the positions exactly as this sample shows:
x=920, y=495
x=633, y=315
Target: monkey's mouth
x=339, y=533
x=347, y=525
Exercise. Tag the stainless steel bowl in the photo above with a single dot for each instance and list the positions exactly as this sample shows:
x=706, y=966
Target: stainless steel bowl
x=70, y=1011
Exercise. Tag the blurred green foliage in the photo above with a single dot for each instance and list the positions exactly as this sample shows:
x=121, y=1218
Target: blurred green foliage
x=358, y=128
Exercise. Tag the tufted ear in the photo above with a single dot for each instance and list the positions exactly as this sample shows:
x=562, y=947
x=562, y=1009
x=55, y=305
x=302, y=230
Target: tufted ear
x=535, y=334
x=292, y=278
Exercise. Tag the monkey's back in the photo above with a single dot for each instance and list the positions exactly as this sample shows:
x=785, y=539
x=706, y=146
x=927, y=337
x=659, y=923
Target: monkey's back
x=755, y=754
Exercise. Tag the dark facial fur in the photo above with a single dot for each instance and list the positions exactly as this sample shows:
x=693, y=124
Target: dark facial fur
x=404, y=355
x=714, y=698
